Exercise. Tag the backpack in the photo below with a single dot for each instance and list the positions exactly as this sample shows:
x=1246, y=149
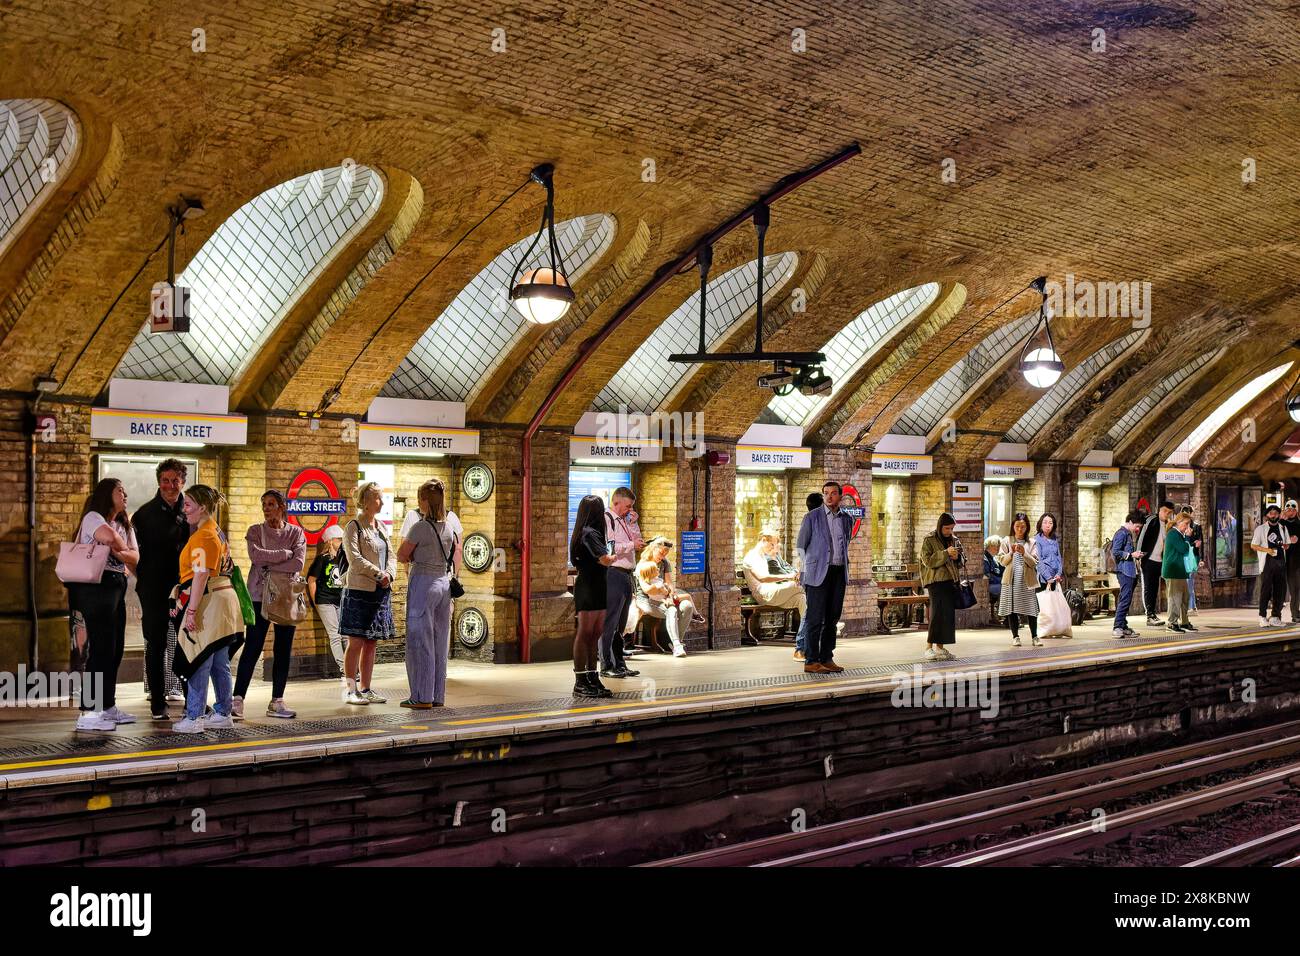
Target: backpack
x=1074, y=598
x=1111, y=567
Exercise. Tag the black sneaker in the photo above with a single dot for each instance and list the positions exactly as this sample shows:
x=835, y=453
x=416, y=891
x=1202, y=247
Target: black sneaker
x=626, y=671
x=1154, y=621
x=1189, y=627
x=617, y=672
x=1174, y=628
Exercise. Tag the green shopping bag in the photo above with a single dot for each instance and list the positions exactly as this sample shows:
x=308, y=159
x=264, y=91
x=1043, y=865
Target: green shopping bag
x=245, y=602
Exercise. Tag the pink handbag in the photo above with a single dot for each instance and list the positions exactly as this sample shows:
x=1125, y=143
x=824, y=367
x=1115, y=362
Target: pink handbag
x=82, y=563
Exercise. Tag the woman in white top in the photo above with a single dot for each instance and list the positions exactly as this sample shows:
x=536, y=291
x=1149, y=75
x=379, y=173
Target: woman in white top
x=431, y=549
x=103, y=605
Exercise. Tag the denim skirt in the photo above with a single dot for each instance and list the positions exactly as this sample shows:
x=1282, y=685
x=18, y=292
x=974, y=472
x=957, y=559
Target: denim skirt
x=367, y=614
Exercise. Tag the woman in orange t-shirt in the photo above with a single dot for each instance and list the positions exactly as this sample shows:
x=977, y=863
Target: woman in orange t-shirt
x=210, y=624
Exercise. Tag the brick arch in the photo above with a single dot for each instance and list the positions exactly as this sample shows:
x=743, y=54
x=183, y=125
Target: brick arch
x=1153, y=445
x=1269, y=422
x=842, y=423
x=32, y=257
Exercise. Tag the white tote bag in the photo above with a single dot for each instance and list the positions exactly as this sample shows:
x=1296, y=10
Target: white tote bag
x=82, y=563
x=1054, y=613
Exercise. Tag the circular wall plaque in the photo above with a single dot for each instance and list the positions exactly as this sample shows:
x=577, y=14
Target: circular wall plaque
x=471, y=627
x=477, y=482
x=477, y=552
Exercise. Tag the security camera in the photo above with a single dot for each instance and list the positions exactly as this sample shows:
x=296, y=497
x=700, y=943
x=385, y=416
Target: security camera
x=779, y=376
x=813, y=381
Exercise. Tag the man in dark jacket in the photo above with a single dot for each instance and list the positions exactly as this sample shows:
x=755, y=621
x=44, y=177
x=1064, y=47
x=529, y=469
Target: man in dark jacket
x=1291, y=521
x=162, y=531
x=1151, y=545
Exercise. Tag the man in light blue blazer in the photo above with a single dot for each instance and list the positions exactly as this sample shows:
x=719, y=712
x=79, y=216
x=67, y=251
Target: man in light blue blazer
x=823, y=551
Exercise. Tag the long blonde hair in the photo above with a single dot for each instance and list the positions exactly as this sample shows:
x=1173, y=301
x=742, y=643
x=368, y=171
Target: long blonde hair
x=435, y=493
x=648, y=555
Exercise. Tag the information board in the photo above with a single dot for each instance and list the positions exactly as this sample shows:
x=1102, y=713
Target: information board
x=692, y=553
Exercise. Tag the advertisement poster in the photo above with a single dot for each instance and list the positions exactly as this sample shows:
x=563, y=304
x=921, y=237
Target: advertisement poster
x=1252, y=510
x=600, y=482
x=1227, y=533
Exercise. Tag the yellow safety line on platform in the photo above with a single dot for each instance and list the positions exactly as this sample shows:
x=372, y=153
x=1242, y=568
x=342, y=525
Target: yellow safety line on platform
x=618, y=705
x=204, y=748
x=851, y=682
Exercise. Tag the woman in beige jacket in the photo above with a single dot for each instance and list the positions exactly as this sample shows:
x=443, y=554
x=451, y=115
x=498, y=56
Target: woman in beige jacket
x=1019, y=555
x=366, y=614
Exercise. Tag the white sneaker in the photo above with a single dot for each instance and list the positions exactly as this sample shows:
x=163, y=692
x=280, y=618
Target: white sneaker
x=1275, y=622
x=1037, y=641
x=931, y=654
x=945, y=654
x=218, y=722
x=679, y=650
x=93, y=721
x=175, y=697
x=277, y=709
x=188, y=726
x=1263, y=622
x=1119, y=634
x=839, y=629
x=1015, y=640
x=118, y=716
x=355, y=697
x=374, y=698
x=236, y=708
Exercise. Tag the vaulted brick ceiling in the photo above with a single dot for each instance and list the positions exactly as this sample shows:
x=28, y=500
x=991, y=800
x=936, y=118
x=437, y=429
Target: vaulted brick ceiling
x=1119, y=165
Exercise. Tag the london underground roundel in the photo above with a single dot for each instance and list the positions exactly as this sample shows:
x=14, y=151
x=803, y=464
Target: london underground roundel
x=319, y=512
x=852, y=506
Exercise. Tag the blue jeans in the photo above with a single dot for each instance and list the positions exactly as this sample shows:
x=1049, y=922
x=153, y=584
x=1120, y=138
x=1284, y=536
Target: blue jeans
x=1126, y=585
x=217, y=665
x=801, y=639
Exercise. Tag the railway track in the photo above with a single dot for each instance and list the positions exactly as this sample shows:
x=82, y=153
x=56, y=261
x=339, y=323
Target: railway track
x=911, y=835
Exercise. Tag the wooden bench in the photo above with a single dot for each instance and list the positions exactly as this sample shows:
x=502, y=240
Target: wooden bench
x=898, y=596
x=762, y=622
x=1097, y=590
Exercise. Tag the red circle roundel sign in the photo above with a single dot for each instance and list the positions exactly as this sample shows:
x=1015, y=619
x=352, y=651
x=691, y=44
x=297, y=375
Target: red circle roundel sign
x=331, y=507
x=851, y=504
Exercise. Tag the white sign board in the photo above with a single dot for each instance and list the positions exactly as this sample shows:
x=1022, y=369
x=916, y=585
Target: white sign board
x=163, y=428
x=886, y=463
x=1174, y=476
x=416, y=439
x=587, y=448
x=1013, y=470
x=1098, y=475
x=772, y=456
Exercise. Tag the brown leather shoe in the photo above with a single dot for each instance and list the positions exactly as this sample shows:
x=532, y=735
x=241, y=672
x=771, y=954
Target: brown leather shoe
x=814, y=668
x=798, y=655
x=832, y=668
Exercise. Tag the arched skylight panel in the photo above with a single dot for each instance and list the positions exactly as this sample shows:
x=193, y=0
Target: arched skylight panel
x=1151, y=401
x=1221, y=415
x=1070, y=386
x=465, y=345
x=949, y=389
x=647, y=378
x=38, y=139
x=850, y=347
x=252, y=270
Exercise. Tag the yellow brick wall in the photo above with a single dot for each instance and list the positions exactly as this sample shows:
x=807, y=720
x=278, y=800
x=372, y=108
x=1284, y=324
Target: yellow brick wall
x=760, y=503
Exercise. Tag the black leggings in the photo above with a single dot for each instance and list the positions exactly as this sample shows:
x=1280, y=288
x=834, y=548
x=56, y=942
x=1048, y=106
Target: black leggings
x=103, y=606
x=255, y=639
x=1031, y=619
x=587, y=639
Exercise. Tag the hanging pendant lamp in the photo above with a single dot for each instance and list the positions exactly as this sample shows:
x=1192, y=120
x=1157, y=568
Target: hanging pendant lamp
x=1042, y=366
x=542, y=294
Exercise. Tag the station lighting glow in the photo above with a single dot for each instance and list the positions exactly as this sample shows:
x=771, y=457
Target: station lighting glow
x=1043, y=366
x=1239, y=400
x=159, y=444
x=543, y=295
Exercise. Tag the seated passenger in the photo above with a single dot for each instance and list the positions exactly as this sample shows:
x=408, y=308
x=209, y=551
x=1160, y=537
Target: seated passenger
x=772, y=582
x=993, y=570
x=656, y=596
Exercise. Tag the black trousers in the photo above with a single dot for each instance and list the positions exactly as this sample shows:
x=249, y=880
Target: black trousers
x=103, y=607
x=618, y=601
x=255, y=639
x=155, y=622
x=1293, y=586
x=825, y=603
x=1151, y=587
x=1272, y=587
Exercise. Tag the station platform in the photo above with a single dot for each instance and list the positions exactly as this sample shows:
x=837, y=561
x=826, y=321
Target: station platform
x=730, y=722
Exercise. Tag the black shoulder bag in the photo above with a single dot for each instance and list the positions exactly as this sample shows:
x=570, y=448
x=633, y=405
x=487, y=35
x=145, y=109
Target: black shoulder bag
x=456, y=589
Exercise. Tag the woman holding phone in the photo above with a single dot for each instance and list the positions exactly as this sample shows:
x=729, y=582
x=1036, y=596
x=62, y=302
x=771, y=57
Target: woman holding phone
x=591, y=554
x=1019, y=602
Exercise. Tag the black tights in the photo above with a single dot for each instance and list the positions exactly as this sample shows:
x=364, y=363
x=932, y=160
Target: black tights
x=1014, y=621
x=586, y=642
